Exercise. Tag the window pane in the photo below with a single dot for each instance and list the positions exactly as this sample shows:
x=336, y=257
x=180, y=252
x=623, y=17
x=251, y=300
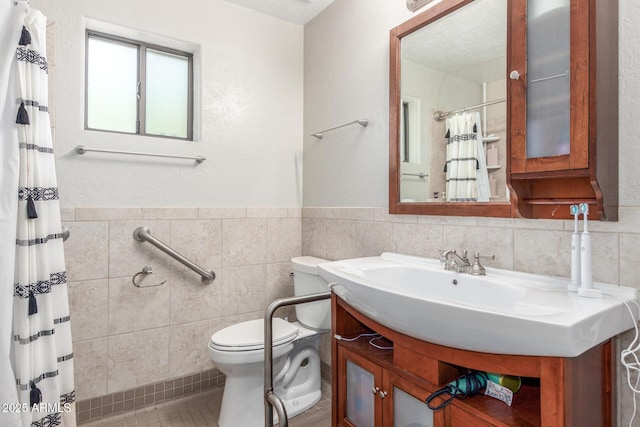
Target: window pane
x=112, y=78
x=167, y=94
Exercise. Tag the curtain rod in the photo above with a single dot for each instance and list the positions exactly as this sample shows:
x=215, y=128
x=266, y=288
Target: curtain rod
x=439, y=115
x=81, y=149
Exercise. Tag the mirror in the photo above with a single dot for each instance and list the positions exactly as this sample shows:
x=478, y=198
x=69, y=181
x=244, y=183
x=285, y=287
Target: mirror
x=448, y=115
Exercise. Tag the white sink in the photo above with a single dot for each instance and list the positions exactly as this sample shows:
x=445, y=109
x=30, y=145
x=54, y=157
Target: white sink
x=504, y=312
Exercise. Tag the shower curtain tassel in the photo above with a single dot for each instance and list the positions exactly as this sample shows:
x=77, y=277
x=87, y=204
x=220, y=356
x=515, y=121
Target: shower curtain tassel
x=31, y=208
x=33, y=304
x=23, y=116
x=35, y=396
x=25, y=37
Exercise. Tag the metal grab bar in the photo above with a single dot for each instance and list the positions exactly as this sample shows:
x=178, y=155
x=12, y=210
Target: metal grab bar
x=81, y=149
x=270, y=398
x=420, y=175
x=361, y=122
x=142, y=234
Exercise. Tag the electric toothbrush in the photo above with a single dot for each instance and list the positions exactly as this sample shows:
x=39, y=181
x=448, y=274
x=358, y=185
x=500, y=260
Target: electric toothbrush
x=575, y=252
x=586, y=275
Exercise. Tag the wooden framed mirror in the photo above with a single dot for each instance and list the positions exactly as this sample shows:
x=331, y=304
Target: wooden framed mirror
x=450, y=62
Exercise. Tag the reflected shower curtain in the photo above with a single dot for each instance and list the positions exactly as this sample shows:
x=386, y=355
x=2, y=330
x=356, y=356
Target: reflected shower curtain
x=466, y=170
x=42, y=355
x=484, y=190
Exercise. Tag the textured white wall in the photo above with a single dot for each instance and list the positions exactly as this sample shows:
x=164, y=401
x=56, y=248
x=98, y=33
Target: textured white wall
x=250, y=102
x=346, y=52
x=346, y=62
x=629, y=93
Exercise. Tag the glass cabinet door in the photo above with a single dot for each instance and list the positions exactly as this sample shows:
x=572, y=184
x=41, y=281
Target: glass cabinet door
x=358, y=391
x=549, y=85
x=405, y=404
x=548, y=78
x=360, y=398
x=409, y=411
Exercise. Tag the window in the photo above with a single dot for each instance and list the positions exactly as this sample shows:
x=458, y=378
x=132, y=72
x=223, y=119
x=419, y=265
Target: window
x=138, y=88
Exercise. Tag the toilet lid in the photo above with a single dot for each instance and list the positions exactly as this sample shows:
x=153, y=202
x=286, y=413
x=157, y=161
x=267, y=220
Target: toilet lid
x=250, y=335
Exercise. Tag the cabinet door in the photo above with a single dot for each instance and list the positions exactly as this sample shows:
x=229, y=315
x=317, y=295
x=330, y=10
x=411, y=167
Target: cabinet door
x=359, y=383
x=549, y=85
x=404, y=403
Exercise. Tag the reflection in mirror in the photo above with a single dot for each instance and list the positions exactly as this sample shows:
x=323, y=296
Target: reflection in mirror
x=454, y=66
x=411, y=143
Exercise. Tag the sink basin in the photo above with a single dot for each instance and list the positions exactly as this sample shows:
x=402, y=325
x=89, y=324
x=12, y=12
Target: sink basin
x=504, y=312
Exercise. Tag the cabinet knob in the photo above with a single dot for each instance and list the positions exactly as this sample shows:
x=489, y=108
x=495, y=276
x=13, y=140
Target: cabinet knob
x=383, y=394
x=375, y=390
x=514, y=75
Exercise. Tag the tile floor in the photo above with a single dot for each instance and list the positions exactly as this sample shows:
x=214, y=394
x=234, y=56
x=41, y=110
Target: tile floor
x=201, y=410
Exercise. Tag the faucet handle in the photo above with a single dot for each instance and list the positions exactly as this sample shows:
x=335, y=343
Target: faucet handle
x=477, y=268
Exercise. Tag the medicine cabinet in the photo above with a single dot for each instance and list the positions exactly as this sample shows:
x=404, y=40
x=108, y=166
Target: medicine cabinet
x=563, y=107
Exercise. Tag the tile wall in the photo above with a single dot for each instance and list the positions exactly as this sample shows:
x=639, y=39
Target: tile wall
x=536, y=246
x=127, y=337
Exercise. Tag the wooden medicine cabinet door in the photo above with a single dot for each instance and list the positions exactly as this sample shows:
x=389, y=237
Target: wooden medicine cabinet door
x=563, y=107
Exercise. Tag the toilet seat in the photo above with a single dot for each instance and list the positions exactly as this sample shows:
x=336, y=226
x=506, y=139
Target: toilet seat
x=249, y=335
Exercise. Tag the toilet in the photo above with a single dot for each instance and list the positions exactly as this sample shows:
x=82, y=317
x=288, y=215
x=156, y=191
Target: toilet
x=238, y=352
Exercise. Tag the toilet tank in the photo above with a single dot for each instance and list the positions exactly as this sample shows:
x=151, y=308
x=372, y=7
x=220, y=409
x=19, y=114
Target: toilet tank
x=316, y=315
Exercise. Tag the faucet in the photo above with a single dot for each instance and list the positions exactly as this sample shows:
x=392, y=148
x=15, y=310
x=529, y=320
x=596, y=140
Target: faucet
x=454, y=262
x=477, y=269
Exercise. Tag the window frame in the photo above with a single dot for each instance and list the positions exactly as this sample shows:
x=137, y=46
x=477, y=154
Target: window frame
x=142, y=48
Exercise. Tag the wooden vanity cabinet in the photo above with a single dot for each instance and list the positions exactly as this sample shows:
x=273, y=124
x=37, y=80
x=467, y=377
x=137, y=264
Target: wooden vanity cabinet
x=582, y=163
x=373, y=394
x=371, y=387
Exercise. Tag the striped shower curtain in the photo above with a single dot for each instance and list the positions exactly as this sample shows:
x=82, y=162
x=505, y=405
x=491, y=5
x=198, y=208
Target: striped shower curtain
x=465, y=168
x=41, y=352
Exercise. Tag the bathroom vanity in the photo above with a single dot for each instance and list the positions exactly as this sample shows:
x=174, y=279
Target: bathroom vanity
x=386, y=387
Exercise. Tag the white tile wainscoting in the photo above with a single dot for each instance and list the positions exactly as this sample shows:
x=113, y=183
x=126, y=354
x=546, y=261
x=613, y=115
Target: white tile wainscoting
x=126, y=338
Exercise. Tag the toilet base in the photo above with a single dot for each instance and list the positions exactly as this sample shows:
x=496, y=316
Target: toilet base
x=297, y=383
x=248, y=408
x=300, y=404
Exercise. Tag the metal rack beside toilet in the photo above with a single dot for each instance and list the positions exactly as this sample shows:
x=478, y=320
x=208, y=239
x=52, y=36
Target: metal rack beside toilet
x=271, y=399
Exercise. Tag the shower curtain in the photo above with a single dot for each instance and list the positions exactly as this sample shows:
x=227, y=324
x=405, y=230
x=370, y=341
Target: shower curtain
x=11, y=20
x=41, y=352
x=467, y=179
